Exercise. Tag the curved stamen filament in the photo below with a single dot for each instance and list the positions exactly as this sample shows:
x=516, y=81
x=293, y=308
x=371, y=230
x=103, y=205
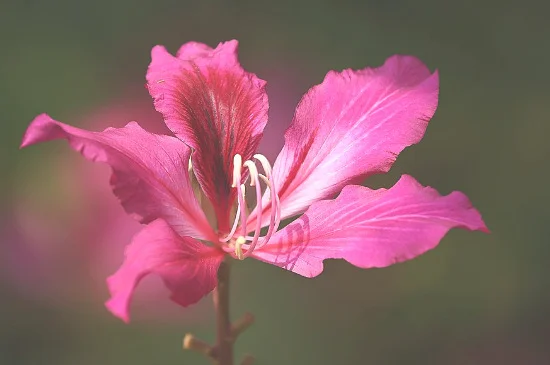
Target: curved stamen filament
x=275, y=218
x=235, y=222
x=255, y=179
x=237, y=168
x=241, y=189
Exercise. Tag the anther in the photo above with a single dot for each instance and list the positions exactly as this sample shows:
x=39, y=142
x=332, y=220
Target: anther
x=253, y=171
x=237, y=166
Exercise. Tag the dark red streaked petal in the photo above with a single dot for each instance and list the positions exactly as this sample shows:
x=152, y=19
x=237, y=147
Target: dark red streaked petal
x=187, y=267
x=150, y=171
x=351, y=126
x=214, y=106
x=370, y=228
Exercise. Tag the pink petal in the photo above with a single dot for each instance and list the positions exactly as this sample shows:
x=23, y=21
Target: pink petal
x=214, y=106
x=149, y=171
x=351, y=126
x=187, y=267
x=370, y=228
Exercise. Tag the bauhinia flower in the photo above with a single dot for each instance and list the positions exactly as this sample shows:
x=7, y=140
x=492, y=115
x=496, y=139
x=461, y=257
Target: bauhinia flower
x=52, y=253
x=351, y=126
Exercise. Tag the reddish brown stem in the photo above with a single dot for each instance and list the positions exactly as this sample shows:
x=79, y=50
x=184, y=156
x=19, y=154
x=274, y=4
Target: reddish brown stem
x=224, y=340
x=227, y=332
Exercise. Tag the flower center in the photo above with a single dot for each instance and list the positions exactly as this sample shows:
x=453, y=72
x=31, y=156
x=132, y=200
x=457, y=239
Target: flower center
x=244, y=244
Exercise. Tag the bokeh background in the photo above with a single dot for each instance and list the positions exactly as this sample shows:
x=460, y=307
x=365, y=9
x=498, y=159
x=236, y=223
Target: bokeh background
x=476, y=299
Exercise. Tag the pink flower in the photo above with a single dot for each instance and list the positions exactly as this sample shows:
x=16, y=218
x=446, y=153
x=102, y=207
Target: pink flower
x=55, y=254
x=351, y=126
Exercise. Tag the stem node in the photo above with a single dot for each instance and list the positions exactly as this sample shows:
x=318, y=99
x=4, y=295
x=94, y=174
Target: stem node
x=227, y=332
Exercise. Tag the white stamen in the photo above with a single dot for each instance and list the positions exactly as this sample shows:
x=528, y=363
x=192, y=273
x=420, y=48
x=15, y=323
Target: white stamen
x=275, y=219
x=254, y=180
x=237, y=166
x=235, y=221
x=253, y=171
x=241, y=191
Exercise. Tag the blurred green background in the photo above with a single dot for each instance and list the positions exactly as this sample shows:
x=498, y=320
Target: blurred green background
x=476, y=299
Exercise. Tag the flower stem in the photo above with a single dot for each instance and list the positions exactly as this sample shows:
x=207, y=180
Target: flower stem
x=224, y=338
x=222, y=352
